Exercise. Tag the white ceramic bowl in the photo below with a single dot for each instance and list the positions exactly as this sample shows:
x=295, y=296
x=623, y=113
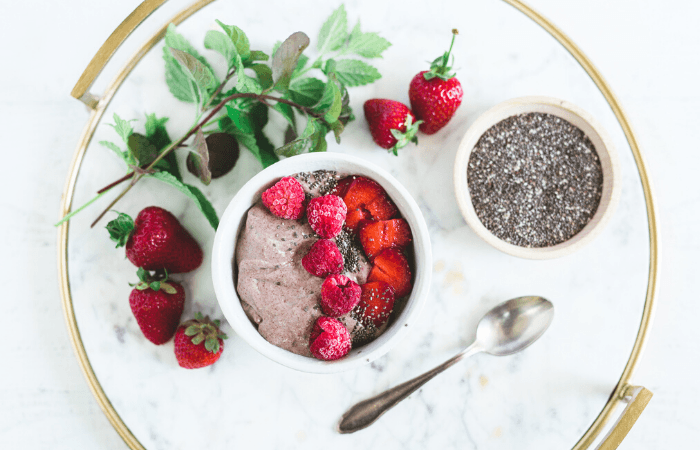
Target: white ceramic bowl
x=223, y=266
x=574, y=115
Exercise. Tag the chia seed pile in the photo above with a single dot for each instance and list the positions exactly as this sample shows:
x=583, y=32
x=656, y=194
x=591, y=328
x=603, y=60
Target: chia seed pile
x=535, y=180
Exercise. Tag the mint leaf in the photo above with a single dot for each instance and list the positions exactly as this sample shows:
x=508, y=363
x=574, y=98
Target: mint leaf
x=238, y=38
x=193, y=193
x=306, y=91
x=334, y=31
x=264, y=74
x=199, y=73
x=179, y=83
x=244, y=83
x=141, y=148
x=287, y=112
x=369, y=45
x=301, y=63
x=200, y=158
x=240, y=119
x=353, y=72
x=285, y=59
x=331, y=102
x=257, y=55
x=221, y=43
x=158, y=135
x=175, y=40
x=307, y=141
x=122, y=127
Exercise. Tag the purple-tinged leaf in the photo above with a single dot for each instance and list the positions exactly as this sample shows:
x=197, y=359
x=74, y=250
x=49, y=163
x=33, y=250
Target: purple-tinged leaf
x=285, y=58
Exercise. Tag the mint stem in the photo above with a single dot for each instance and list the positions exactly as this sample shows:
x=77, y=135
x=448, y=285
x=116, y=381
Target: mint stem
x=72, y=213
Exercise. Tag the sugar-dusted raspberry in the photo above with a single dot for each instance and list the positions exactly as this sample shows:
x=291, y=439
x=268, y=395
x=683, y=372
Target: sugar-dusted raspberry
x=339, y=295
x=326, y=215
x=323, y=259
x=285, y=199
x=329, y=340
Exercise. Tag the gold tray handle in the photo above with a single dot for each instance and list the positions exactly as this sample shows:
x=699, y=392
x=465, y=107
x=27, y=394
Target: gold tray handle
x=104, y=54
x=637, y=398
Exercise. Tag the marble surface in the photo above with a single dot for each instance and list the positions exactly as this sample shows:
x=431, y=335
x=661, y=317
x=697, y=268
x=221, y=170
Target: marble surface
x=543, y=398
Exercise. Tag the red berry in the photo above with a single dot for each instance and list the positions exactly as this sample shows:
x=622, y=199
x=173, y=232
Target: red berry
x=285, y=199
x=198, y=342
x=326, y=215
x=376, y=304
x=157, y=307
x=329, y=339
x=391, y=123
x=341, y=188
x=435, y=94
x=367, y=201
x=323, y=259
x=156, y=240
x=339, y=295
x=391, y=266
x=378, y=236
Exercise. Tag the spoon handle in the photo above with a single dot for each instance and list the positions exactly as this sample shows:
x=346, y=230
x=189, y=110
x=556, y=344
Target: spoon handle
x=364, y=413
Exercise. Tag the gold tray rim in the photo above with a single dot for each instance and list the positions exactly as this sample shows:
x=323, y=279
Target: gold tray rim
x=98, y=108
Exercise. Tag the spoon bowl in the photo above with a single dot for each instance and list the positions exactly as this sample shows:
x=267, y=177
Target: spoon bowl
x=514, y=325
x=504, y=330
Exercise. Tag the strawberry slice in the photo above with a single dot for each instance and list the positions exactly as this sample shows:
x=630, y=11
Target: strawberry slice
x=376, y=304
x=356, y=219
x=367, y=200
x=378, y=236
x=391, y=266
x=341, y=188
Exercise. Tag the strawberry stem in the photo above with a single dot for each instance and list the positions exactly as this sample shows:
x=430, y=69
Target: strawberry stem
x=446, y=56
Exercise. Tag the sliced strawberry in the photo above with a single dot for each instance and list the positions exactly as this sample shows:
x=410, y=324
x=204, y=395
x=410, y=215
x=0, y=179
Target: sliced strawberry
x=341, y=188
x=356, y=218
x=392, y=267
x=378, y=236
x=376, y=303
x=367, y=200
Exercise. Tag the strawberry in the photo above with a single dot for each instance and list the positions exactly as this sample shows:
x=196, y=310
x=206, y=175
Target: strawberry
x=436, y=94
x=367, y=200
x=157, y=305
x=377, y=236
x=329, y=339
x=198, y=342
x=326, y=215
x=341, y=188
x=339, y=295
x=376, y=304
x=155, y=241
x=285, y=199
x=323, y=259
x=392, y=267
x=391, y=123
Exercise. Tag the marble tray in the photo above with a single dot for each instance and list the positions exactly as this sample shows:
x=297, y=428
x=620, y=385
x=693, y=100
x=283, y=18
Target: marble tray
x=545, y=397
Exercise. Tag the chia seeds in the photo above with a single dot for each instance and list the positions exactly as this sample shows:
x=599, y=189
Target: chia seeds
x=323, y=180
x=350, y=250
x=535, y=180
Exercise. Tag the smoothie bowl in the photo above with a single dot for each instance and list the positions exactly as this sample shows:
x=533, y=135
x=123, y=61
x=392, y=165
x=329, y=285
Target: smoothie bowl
x=252, y=247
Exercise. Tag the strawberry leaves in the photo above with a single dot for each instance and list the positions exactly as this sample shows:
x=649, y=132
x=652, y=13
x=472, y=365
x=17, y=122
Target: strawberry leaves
x=202, y=329
x=156, y=281
x=120, y=229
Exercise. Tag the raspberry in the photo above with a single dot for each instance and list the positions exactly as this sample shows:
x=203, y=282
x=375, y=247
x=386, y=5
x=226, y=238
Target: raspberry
x=323, y=259
x=326, y=215
x=339, y=295
x=285, y=199
x=329, y=339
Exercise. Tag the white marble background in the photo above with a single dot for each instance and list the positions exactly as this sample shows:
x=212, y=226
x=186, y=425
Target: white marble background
x=543, y=398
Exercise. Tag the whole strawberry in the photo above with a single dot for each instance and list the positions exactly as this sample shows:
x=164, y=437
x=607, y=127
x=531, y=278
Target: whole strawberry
x=157, y=305
x=391, y=123
x=198, y=342
x=436, y=94
x=155, y=241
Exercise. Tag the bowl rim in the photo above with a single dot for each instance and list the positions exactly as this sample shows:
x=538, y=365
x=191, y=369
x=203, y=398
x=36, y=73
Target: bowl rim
x=227, y=235
x=577, y=116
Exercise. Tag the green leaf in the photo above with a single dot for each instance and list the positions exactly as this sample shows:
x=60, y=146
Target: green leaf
x=303, y=143
x=337, y=128
x=334, y=31
x=244, y=83
x=212, y=344
x=155, y=285
x=142, y=274
x=156, y=132
x=191, y=330
x=179, y=83
x=198, y=339
x=199, y=73
x=122, y=127
x=118, y=151
x=168, y=288
x=240, y=119
x=285, y=59
x=257, y=55
x=353, y=72
x=142, y=149
x=301, y=63
x=193, y=193
x=120, y=229
x=287, y=112
x=238, y=38
x=369, y=45
x=306, y=91
x=221, y=43
x=200, y=157
x=331, y=102
x=198, y=315
x=264, y=74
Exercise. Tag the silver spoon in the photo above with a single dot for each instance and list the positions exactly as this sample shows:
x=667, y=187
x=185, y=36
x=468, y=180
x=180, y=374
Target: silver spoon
x=506, y=329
